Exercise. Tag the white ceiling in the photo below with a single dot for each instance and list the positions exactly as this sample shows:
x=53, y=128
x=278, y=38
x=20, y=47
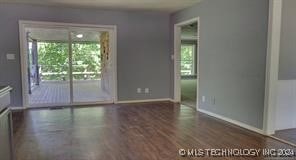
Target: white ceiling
x=157, y=5
x=46, y=34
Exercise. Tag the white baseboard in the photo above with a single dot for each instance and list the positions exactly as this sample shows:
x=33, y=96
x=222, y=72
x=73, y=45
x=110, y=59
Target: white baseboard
x=14, y=108
x=174, y=101
x=48, y=105
x=145, y=100
x=235, y=122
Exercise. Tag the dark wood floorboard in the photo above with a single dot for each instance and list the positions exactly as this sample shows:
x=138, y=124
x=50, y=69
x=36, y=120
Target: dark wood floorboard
x=147, y=131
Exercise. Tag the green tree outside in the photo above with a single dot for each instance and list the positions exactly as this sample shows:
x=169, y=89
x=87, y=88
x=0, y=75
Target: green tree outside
x=187, y=57
x=53, y=59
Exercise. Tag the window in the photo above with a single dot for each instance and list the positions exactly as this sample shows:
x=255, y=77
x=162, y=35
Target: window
x=188, y=59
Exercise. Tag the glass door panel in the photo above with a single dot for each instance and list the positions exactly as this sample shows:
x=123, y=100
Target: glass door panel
x=87, y=66
x=49, y=66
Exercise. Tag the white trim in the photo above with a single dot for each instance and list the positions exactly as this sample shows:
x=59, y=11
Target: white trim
x=14, y=108
x=235, y=122
x=174, y=101
x=112, y=29
x=38, y=24
x=145, y=100
x=69, y=105
x=272, y=63
x=188, y=37
x=113, y=36
x=177, y=59
x=23, y=42
x=177, y=66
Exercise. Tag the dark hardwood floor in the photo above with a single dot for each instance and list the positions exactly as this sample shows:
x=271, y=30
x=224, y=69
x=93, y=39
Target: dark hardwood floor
x=147, y=131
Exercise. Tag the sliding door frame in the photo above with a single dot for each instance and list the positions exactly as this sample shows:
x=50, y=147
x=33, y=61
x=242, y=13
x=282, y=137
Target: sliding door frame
x=111, y=29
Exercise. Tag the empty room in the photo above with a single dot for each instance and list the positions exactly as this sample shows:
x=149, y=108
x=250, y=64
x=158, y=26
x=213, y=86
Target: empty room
x=147, y=79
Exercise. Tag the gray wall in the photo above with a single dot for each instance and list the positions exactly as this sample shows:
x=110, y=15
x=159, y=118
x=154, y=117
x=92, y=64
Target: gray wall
x=232, y=56
x=143, y=46
x=287, y=66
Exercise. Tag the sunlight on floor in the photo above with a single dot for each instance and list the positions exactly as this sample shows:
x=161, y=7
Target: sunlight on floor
x=188, y=92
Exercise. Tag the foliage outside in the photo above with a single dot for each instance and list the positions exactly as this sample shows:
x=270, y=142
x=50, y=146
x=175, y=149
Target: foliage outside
x=53, y=59
x=187, y=59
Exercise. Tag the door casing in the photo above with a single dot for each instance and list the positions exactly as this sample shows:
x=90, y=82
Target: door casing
x=177, y=59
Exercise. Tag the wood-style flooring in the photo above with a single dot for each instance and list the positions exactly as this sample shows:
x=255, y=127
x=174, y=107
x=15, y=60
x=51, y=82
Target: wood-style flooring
x=146, y=131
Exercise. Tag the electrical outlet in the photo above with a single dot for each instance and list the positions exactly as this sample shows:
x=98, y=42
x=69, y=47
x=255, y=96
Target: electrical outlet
x=10, y=56
x=146, y=90
x=203, y=99
x=139, y=90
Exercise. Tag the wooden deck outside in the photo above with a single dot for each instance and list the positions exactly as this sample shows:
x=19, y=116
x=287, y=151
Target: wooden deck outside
x=58, y=92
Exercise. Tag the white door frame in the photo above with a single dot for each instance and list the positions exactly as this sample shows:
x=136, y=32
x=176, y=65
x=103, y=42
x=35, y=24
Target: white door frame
x=177, y=59
x=23, y=24
x=272, y=66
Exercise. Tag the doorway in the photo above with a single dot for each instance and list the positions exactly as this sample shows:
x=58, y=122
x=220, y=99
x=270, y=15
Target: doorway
x=67, y=64
x=186, y=60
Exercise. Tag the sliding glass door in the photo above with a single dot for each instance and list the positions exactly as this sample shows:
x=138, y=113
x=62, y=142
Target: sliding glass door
x=69, y=66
